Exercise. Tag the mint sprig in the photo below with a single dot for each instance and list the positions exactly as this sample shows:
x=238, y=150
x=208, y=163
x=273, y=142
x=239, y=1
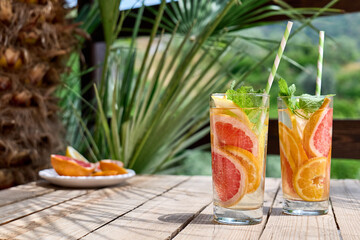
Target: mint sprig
x=248, y=102
x=242, y=99
x=307, y=103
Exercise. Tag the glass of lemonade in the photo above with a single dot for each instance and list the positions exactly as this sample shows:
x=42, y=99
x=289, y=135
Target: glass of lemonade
x=305, y=137
x=238, y=148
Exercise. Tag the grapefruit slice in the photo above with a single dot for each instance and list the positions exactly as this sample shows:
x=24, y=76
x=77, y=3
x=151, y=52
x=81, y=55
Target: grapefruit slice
x=112, y=165
x=251, y=165
x=318, y=132
x=291, y=147
x=225, y=104
x=310, y=180
x=287, y=177
x=66, y=166
x=229, y=130
x=229, y=177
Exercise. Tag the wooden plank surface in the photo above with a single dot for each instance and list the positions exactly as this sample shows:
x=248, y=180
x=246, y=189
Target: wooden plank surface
x=29, y=206
x=345, y=197
x=203, y=227
x=165, y=207
x=76, y=218
x=283, y=227
x=162, y=217
x=25, y=191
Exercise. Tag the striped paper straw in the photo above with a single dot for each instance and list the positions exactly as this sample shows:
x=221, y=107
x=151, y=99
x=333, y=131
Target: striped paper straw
x=320, y=63
x=278, y=57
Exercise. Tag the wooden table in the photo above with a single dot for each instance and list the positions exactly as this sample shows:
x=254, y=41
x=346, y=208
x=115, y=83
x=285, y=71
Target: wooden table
x=163, y=207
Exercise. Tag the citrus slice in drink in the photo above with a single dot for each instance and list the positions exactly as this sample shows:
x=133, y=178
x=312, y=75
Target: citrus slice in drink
x=66, y=166
x=73, y=153
x=262, y=139
x=229, y=177
x=309, y=181
x=112, y=165
x=287, y=177
x=221, y=102
x=251, y=165
x=318, y=132
x=291, y=147
x=231, y=131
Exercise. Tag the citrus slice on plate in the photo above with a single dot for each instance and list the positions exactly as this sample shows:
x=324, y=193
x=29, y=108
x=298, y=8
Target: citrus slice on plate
x=223, y=103
x=231, y=131
x=112, y=165
x=104, y=173
x=309, y=181
x=73, y=153
x=66, y=166
x=291, y=147
x=229, y=177
x=251, y=165
x=318, y=132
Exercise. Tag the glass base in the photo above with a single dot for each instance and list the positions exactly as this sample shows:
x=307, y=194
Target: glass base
x=237, y=217
x=305, y=208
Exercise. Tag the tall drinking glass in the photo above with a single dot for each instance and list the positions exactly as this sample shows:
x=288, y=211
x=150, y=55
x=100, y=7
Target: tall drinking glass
x=238, y=147
x=305, y=153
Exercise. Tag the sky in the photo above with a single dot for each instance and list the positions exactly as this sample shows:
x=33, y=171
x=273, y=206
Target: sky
x=125, y=4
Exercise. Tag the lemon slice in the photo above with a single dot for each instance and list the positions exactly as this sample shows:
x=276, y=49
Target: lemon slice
x=223, y=102
x=73, y=153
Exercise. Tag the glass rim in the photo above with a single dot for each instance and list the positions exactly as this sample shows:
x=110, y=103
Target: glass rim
x=298, y=97
x=253, y=94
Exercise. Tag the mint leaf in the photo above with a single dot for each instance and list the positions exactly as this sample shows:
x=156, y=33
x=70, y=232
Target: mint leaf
x=309, y=103
x=247, y=101
x=242, y=99
x=288, y=92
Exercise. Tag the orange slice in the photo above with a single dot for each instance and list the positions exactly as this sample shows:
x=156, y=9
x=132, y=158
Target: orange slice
x=251, y=165
x=291, y=147
x=318, y=132
x=112, y=165
x=66, y=166
x=105, y=173
x=262, y=141
x=310, y=180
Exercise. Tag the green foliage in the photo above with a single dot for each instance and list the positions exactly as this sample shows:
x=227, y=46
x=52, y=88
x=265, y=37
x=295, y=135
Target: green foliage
x=345, y=168
x=152, y=106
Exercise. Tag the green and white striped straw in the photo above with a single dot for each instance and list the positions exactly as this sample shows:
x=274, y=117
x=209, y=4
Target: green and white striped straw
x=320, y=63
x=278, y=57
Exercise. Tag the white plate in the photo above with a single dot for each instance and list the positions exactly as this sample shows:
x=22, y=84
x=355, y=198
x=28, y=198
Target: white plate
x=81, y=182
